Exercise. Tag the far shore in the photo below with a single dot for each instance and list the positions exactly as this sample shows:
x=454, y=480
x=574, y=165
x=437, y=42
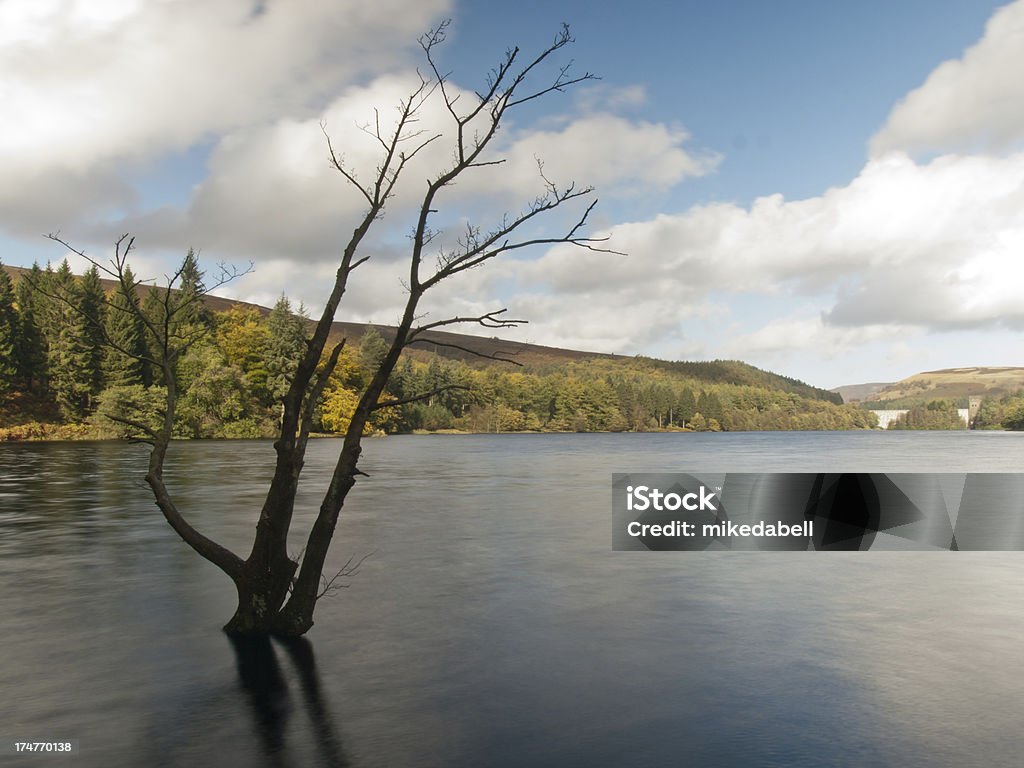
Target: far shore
x=36, y=432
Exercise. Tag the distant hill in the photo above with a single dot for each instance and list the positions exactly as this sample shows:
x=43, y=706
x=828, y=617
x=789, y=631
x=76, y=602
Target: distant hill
x=460, y=346
x=737, y=372
x=856, y=392
x=952, y=384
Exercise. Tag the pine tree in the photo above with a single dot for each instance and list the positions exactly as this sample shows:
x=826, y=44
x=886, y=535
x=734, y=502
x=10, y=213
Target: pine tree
x=372, y=349
x=70, y=354
x=190, y=308
x=91, y=317
x=285, y=343
x=121, y=364
x=686, y=406
x=403, y=380
x=179, y=316
x=155, y=311
x=31, y=350
x=9, y=334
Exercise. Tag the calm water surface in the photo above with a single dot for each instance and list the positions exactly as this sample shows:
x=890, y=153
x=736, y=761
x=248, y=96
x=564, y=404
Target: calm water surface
x=492, y=625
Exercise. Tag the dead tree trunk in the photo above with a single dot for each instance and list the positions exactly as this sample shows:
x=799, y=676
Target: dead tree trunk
x=278, y=594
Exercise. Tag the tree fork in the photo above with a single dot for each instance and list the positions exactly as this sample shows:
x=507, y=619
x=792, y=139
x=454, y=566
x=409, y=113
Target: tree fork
x=276, y=593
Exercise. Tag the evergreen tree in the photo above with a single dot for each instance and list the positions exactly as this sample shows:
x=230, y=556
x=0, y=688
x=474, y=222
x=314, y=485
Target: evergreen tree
x=190, y=309
x=285, y=343
x=9, y=333
x=179, y=316
x=70, y=354
x=403, y=380
x=153, y=307
x=686, y=406
x=372, y=349
x=92, y=305
x=710, y=405
x=124, y=330
x=31, y=344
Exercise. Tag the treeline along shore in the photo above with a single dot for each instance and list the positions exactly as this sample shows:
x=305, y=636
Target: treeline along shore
x=61, y=378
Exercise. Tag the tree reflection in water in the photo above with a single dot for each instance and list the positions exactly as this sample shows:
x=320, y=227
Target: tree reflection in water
x=264, y=683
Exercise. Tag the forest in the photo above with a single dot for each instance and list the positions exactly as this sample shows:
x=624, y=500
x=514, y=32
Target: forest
x=62, y=378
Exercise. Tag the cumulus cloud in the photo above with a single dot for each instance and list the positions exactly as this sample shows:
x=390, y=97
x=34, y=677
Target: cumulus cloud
x=608, y=151
x=271, y=191
x=783, y=335
x=974, y=102
x=933, y=246
x=92, y=88
x=102, y=91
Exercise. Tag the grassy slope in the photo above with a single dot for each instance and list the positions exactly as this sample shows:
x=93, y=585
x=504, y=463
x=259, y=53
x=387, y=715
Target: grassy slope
x=952, y=384
x=857, y=392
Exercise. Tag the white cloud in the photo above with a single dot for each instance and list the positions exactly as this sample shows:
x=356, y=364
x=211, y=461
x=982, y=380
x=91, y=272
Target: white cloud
x=974, y=102
x=607, y=151
x=270, y=191
x=782, y=336
x=99, y=89
x=933, y=246
x=102, y=91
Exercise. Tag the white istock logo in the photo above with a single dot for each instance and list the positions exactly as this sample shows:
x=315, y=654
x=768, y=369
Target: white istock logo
x=642, y=498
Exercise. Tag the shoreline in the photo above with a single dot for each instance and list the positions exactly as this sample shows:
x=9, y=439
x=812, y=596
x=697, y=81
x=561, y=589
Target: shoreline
x=80, y=433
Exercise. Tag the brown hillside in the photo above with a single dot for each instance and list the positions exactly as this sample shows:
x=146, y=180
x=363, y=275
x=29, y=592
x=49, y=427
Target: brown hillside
x=953, y=384
x=856, y=392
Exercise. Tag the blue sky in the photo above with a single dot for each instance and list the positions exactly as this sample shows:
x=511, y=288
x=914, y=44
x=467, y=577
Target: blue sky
x=788, y=91
x=834, y=191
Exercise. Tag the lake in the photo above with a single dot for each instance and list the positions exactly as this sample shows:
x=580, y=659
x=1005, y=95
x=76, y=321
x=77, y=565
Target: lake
x=491, y=624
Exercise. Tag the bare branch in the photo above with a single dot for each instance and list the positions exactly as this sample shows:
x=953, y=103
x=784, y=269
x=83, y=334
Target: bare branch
x=500, y=356
x=487, y=320
x=476, y=250
x=339, y=166
x=348, y=570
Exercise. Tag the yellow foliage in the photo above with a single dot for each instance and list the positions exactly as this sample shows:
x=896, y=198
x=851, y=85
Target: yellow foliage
x=340, y=403
x=337, y=409
x=346, y=372
x=241, y=336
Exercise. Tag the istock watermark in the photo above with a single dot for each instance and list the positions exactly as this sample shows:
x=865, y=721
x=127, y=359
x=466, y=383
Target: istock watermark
x=802, y=511
x=642, y=498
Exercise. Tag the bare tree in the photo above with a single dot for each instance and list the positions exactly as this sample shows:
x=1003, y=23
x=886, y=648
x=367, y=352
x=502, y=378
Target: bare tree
x=277, y=594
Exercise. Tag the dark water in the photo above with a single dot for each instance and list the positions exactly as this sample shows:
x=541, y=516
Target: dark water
x=492, y=625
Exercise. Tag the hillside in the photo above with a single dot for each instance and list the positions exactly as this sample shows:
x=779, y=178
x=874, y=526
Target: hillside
x=951, y=384
x=461, y=347
x=740, y=373
x=856, y=392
